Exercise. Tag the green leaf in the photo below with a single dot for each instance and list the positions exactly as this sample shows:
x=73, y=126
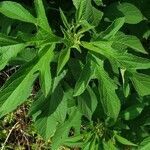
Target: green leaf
x=87, y=102
x=123, y=60
x=75, y=141
x=86, y=75
x=109, y=145
x=43, y=37
x=125, y=82
x=53, y=111
x=145, y=144
x=141, y=82
x=63, y=130
x=113, y=28
x=124, y=141
x=130, y=61
x=132, y=112
x=17, y=89
x=85, y=11
x=16, y=11
x=45, y=73
x=85, y=27
x=131, y=13
x=42, y=20
x=101, y=47
x=63, y=59
x=75, y=67
x=7, y=40
x=98, y=2
x=64, y=19
x=8, y=52
x=107, y=88
x=130, y=41
x=57, y=79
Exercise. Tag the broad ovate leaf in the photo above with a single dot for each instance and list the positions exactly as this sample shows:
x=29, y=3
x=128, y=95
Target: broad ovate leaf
x=141, y=83
x=16, y=11
x=131, y=13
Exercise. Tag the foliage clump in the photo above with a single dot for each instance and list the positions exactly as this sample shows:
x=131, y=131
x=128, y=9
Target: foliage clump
x=91, y=63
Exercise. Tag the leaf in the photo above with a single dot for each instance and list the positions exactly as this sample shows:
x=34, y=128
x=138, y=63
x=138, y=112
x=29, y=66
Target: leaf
x=40, y=96
x=141, y=82
x=87, y=102
x=112, y=29
x=45, y=74
x=42, y=37
x=109, y=145
x=85, y=11
x=7, y=40
x=125, y=82
x=93, y=144
x=64, y=19
x=16, y=11
x=17, y=89
x=130, y=41
x=41, y=16
x=63, y=59
x=57, y=79
x=130, y=61
x=9, y=52
x=84, y=78
x=98, y=2
x=101, y=47
x=107, y=88
x=145, y=144
x=124, y=141
x=85, y=27
x=62, y=132
x=75, y=141
x=75, y=67
x=53, y=111
x=26, y=55
x=131, y=13
x=123, y=60
x=132, y=112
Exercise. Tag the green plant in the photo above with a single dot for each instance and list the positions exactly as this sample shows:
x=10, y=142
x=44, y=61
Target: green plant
x=92, y=83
